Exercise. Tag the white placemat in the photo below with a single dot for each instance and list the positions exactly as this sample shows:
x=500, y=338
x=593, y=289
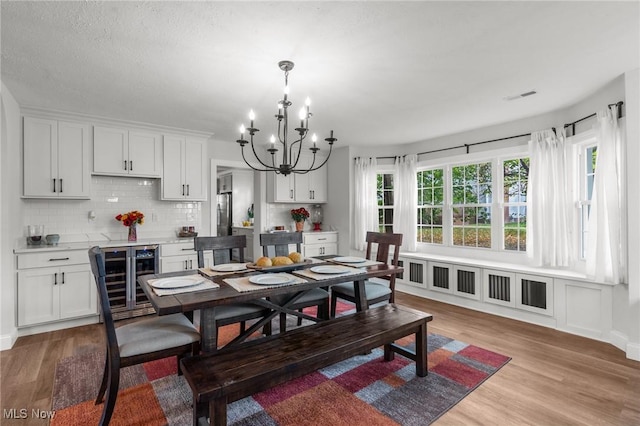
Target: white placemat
x=242, y=284
x=205, y=285
x=319, y=277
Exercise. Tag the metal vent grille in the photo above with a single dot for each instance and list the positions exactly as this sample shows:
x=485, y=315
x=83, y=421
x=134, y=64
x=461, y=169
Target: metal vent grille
x=416, y=272
x=534, y=293
x=467, y=282
x=499, y=288
x=440, y=277
x=401, y=265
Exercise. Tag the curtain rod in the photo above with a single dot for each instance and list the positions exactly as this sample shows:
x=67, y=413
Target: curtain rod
x=467, y=145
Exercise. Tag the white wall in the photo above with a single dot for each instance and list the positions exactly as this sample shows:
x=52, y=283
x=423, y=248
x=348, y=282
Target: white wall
x=10, y=212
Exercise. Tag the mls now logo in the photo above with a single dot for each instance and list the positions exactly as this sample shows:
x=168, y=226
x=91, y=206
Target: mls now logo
x=23, y=413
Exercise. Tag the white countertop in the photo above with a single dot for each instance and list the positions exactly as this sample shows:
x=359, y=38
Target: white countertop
x=94, y=240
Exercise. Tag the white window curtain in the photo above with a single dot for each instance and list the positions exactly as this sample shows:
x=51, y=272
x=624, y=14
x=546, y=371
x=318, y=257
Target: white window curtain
x=366, y=201
x=606, y=245
x=548, y=201
x=405, y=203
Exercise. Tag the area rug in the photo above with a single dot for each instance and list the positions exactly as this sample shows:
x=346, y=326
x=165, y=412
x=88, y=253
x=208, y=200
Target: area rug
x=363, y=390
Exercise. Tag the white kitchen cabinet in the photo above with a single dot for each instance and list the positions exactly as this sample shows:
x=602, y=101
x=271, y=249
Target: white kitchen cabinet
x=319, y=243
x=248, y=250
x=311, y=187
x=49, y=293
x=123, y=152
x=56, y=159
x=181, y=257
x=183, y=169
x=299, y=188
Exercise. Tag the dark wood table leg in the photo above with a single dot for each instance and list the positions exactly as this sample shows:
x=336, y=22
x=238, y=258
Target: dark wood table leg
x=361, y=297
x=218, y=412
x=421, y=351
x=208, y=330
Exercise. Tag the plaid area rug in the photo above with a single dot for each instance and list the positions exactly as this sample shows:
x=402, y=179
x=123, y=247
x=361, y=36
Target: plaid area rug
x=363, y=390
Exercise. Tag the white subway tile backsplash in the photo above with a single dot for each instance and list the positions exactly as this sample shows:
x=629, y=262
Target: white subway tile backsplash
x=110, y=196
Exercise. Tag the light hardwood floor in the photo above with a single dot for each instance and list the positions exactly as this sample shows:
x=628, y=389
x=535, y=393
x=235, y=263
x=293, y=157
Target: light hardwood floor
x=553, y=378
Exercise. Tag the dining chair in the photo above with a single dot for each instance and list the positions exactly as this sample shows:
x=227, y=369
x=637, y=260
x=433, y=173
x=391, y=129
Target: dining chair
x=134, y=343
x=223, y=248
x=375, y=292
x=278, y=244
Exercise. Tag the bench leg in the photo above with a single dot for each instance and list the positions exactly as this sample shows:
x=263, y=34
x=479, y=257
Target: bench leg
x=389, y=354
x=421, y=351
x=218, y=412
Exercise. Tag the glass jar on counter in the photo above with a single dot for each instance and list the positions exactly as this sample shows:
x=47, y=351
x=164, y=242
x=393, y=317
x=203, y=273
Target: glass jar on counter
x=316, y=217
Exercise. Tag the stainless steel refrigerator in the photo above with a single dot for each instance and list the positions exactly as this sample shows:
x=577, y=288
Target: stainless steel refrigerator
x=225, y=219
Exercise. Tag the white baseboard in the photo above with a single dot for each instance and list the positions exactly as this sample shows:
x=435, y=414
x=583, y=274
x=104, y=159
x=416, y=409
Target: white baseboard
x=633, y=351
x=7, y=340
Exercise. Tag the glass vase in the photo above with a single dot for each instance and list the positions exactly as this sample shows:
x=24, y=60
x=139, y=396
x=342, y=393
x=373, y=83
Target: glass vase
x=299, y=226
x=133, y=233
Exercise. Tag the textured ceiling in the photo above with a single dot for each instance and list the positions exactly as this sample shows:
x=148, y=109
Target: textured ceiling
x=378, y=73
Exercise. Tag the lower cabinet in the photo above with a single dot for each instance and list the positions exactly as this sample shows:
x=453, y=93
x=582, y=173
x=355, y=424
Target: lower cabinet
x=319, y=243
x=182, y=256
x=51, y=293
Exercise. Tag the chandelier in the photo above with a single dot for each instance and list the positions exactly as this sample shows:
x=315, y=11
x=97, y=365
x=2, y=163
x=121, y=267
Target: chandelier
x=291, y=150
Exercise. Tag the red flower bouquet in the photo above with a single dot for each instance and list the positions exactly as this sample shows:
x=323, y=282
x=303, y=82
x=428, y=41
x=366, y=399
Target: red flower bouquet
x=133, y=217
x=299, y=215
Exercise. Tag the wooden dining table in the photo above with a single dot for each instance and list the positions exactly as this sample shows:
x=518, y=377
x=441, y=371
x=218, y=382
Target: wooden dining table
x=206, y=301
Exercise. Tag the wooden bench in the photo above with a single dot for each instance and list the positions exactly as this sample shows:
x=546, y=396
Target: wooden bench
x=237, y=372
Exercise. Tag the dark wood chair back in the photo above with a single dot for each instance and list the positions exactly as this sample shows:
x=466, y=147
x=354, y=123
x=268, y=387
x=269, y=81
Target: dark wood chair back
x=222, y=248
x=96, y=259
x=383, y=241
x=278, y=243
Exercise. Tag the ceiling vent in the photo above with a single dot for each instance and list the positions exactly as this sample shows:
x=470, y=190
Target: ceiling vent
x=521, y=95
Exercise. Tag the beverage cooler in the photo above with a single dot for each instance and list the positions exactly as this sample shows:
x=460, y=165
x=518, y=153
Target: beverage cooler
x=123, y=266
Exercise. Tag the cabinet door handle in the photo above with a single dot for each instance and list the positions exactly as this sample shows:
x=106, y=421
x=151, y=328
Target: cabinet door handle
x=291, y=194
x=187, y=190
x=54, y=185
x=60, y=184
x=131, y=166
x=63, y=278
x=190, y=264
x=125, y=164
x=187, y=249
x=182, y=189
x=321, y=239
x=55, y=279
x=55, y=259
x=186, y=264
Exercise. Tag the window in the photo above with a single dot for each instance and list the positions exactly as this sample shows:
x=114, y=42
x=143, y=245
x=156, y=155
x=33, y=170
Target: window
x=471, y=205
x=587, y=176
x=430, y=205
x=385, y=202
x=515, y=179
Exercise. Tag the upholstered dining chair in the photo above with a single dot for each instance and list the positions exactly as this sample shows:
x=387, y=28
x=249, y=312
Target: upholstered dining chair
x=375, y=292
x=222, y=249
x=137, y=342
x=278, y=244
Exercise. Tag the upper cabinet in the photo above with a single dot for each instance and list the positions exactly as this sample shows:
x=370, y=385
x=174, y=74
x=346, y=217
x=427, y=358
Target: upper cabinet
x=56, y=159
x=306, y=188
x=123, y=152
x=184, y=168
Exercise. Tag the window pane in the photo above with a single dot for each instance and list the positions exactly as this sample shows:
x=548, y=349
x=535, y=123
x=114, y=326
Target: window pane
x=438, y=196
x=388, y=181
x=437, y=216
x=458, y=194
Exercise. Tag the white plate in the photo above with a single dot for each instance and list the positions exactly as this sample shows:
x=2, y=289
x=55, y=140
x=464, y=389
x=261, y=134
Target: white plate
x=328, y=269
x=229, y=267
x=349, y=259
x=270, y=279
x=178, y=282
